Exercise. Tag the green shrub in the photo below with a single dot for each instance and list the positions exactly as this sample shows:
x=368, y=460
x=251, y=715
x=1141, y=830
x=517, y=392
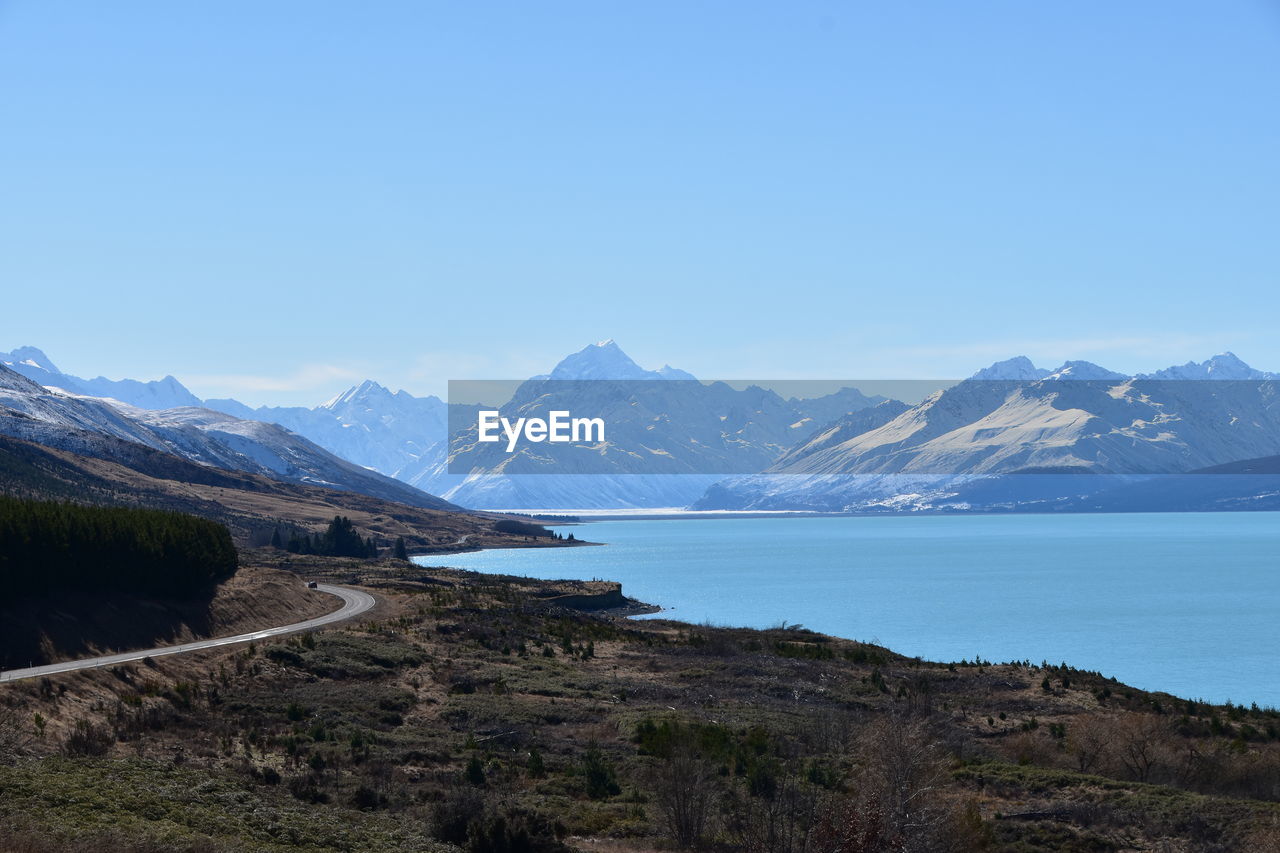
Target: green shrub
x=598, y=775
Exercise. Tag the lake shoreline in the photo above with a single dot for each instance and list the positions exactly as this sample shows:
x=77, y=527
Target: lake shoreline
x=1122, y=594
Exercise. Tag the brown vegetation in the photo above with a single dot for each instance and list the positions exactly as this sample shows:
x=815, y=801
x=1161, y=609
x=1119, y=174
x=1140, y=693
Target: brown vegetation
x=476, y=711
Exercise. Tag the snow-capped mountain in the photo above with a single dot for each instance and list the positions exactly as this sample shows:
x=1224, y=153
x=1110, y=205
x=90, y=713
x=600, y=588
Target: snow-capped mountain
x=669, y=437
x=367, y=424
x=1085, y=371
x=1099, y=421
x=606, y=360
x=674, y=440
x=1222, y=366
x=1019, y=367
x=1045, y=430
x=60, y=419
x=406, y=436
x=402, y=436
x=166, y=393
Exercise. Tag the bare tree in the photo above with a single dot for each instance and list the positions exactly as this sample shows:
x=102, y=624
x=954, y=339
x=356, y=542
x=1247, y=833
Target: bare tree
x=780, y=822
x=1088, y=741
x=685, y=789
x=853, y=825
x=1137, y=741
x=897, y=801
x=904, y=767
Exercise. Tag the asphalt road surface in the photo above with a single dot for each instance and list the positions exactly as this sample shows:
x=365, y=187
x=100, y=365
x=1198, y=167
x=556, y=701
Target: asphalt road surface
x=354, y=602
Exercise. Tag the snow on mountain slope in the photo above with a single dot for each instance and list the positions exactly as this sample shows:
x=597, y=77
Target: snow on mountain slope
x=166, y=393
x=1100, y=422
x=1019, y=367
x=665, y=442
x=1222, y=366
x=39, y=368
x=604, y=360
x=366, y=424
x=58, y=419
x=1113, y=425
x=163, y=393
x=11, y=380
x=230, y=407
x=1084, y=370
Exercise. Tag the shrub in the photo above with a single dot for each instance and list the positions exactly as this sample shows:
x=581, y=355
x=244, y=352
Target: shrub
x=537, y=769
x=87, y=739
x=598, y=775
x=474, y=772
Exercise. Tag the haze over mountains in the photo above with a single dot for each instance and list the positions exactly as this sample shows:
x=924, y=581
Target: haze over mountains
x=1012, y=436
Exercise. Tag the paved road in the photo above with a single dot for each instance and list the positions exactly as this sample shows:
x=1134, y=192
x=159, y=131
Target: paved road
x=354, y=602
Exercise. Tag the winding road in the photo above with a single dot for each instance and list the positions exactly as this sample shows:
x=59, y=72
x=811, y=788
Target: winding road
x=354, y=602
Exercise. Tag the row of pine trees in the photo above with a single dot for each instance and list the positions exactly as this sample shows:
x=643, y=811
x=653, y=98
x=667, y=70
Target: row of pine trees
x=49, y=548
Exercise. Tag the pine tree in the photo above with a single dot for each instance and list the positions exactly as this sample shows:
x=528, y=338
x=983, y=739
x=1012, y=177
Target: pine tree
x=402, y=552
x=341, y=540
x=275, y=538
x=537, y=767
x=48, y=547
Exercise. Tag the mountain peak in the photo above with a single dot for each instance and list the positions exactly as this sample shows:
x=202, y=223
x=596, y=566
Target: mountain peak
x=355, y=393
x=31, y=357
x=1019, y=367
x=669, y=372
x=1224, y=365
x=603, y=360
x=1084, y=370
x=606, y=360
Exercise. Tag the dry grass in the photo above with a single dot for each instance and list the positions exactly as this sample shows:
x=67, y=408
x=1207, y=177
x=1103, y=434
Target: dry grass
x=451, y=688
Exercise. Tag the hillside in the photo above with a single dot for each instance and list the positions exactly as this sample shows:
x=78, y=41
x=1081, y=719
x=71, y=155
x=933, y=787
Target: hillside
x=95, y=427
x=70, y=626
x=478, y=711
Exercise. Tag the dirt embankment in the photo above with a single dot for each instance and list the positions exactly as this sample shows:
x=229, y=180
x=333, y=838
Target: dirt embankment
x=47, y=631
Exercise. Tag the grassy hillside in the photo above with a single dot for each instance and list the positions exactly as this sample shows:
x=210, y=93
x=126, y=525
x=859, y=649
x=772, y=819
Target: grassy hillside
x=481, y=712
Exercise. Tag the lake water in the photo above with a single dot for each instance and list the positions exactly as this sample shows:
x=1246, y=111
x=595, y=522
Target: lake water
x=1186, y=603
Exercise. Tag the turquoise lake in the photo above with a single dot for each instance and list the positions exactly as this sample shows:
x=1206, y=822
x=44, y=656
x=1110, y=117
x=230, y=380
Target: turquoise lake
x=1187, y=603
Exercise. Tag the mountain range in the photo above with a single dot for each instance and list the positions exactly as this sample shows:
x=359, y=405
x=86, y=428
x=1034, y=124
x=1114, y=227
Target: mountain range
x=407, y=437
x=94, y=427
x=1017, y=435
x=669, y=437
x=1013, y=435
x=166, y=393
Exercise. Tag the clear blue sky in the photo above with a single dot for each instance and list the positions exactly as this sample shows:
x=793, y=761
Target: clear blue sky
x=271, y=200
